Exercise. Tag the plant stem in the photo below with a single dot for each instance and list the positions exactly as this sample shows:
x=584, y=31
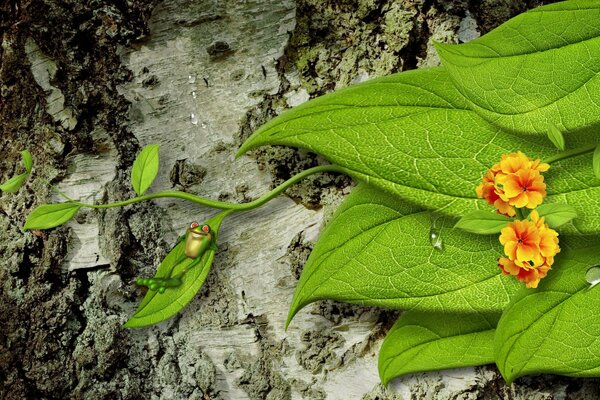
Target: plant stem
x=570, y=153
x=208, y=202
x=519, y=213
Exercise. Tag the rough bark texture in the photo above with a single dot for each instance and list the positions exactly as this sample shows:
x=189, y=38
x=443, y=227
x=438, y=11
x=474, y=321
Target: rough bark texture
x=85, y=84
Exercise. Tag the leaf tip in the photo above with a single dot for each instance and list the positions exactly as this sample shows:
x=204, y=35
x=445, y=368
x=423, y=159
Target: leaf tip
x=290, y=317
x=384, y=377
x=245, y=147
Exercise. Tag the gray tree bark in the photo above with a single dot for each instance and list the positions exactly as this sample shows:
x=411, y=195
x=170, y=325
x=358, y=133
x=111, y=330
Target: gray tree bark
x=85, y=85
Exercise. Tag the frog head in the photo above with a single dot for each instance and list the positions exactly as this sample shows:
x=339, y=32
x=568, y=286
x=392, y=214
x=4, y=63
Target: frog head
x=199, y=231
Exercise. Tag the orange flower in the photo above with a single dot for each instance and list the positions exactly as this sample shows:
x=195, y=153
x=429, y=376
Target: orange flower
x=514, y=182
x=531, y=277
x=487, y=190
x=548, y=237
x=530, y=247
x=524, y=188
x=521, y=243
x=511, y=163
x=490, y=192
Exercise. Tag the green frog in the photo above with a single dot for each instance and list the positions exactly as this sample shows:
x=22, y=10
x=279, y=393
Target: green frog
x=198, y=239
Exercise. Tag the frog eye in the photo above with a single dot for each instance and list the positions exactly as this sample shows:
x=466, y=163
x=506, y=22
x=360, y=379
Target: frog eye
x=206, y=228
x=194, y=225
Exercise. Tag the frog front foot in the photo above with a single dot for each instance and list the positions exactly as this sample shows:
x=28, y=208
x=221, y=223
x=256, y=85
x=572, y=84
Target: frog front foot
x=159, y=284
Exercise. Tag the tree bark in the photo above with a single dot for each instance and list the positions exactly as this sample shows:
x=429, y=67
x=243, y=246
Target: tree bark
x=85, y=84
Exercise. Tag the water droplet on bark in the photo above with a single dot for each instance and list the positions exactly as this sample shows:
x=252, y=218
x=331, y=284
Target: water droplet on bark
x=194, y=119
x=191, y=78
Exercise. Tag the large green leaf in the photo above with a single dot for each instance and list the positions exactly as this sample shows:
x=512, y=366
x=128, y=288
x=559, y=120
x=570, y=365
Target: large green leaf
x=156, y=307
x=421, y=341
x=539, y=69
x=412, y=134
x=377, y=251
x=554, y=328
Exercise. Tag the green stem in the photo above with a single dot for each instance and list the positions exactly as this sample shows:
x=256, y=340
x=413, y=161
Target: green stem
x=570, y=153
x=519, y=213
x=208, y=202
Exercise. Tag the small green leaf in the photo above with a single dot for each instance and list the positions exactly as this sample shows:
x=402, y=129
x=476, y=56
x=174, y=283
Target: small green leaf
x=378, y=251
x=433, y=341
x=556, y=214
x=554, y=328
x=157, y=307
x=49, y=216
x=556, y=137
x=14, y=184
x=145, y=168
x=596, y=162
x=27, y=160
x=482, y=222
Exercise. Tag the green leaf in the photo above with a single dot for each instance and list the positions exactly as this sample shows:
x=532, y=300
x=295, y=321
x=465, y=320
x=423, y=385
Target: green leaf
x=556, y=137
x=433, y=341
x=556, y=214
x=376, y=251
x=14, y=184
x=482, y=222
x=554, y=328
x=49, y=216
x=145, y=168
x=596, y=162
x=27, y=160
x=539, y=68
x=413, y=135
x=157, y=307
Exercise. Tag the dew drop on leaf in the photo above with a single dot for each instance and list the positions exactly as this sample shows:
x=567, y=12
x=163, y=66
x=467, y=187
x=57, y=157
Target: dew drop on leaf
x=435, y=237
x=191, y=78
x=592, y=275
x=194, y=119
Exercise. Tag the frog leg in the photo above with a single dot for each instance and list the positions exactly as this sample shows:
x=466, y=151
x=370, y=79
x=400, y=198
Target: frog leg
x=161, y=284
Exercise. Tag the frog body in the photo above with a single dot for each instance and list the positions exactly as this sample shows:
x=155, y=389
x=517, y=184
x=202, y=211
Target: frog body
x=198, y=239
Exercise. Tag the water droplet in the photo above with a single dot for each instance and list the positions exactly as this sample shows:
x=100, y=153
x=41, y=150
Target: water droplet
x=194, y=94
x=592, y=275
x=191, y=78
x=435, y=237
x=194, y=118
x=204, y=125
